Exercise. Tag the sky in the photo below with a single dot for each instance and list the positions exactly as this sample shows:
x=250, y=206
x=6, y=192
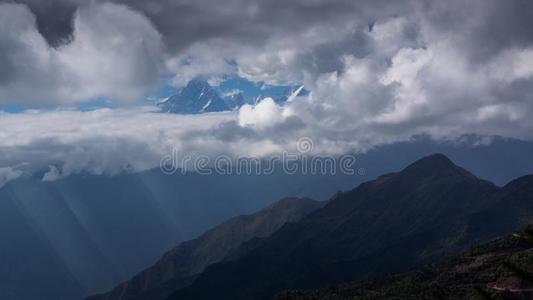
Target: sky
x=377, y=72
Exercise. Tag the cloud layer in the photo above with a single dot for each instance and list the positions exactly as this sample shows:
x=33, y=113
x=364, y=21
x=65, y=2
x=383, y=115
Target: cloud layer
x=113, y=52
x=378, y=72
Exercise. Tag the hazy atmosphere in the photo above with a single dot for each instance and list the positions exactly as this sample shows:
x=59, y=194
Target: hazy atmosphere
x=130, y=128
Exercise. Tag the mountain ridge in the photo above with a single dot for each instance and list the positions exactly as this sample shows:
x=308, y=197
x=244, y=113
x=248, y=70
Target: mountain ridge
x=419, y=214
x=197, y=97
x=185, y=208
x=178, y=267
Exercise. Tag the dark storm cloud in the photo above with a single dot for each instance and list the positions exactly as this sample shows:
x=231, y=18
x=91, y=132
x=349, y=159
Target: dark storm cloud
x=105, y=37
x=488, y=26
x=184, y=22
x=54, y=18
x=482, y=27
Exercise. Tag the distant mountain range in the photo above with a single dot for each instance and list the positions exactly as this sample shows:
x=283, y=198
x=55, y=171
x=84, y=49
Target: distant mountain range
x=179, y=266
x=85, y=234
x=198, y=96
x=81, y=235
x=430, y=209
x=501, y=269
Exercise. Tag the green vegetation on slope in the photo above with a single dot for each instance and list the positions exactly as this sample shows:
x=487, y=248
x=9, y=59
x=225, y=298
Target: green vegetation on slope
x=501, y=269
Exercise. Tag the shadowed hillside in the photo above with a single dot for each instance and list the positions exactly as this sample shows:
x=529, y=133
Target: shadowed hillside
x=430, y=209
x=178, y=267
x=501, y=269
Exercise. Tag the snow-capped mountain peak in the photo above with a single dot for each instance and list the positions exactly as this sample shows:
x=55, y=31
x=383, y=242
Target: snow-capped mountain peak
x=197, y=97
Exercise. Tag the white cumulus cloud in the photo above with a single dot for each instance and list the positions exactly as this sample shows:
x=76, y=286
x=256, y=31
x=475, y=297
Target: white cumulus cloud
x=264, y=114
